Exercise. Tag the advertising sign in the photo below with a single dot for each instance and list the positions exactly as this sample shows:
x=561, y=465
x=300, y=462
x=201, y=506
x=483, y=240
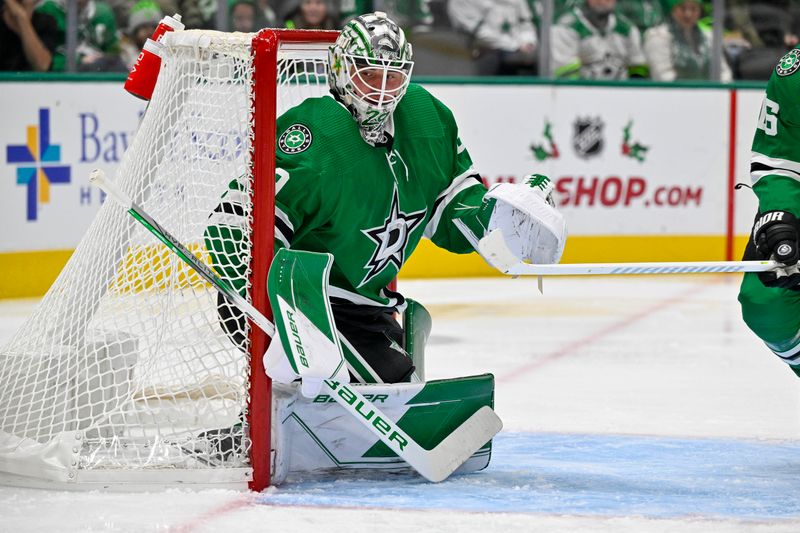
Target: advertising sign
x=52, y=136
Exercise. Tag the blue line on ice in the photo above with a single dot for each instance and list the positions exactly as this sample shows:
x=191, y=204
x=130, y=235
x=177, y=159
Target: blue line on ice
x=602, y=475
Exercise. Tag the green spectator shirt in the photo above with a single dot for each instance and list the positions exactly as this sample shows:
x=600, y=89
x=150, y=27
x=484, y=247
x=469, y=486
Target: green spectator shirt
x=775, y=161
x=97, y=28
x=368, y=206
x=643, y=13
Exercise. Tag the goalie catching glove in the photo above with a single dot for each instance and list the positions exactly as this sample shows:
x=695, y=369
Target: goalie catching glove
x=525, y=213
x=775, y=236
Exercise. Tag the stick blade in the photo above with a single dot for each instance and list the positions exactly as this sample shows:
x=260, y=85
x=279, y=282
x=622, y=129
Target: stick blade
x=448, y=455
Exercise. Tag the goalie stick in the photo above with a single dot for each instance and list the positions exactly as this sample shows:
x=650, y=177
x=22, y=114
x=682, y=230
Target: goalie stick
x=493, y=248
x=435, y=464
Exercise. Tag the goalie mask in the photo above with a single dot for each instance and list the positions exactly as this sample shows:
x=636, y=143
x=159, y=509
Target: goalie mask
x=369, y=71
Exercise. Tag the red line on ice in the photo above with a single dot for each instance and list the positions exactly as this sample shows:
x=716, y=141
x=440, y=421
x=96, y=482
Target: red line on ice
x=213, y=514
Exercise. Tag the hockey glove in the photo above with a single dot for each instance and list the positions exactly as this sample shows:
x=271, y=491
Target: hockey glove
x=775, y=235
x=525, y=213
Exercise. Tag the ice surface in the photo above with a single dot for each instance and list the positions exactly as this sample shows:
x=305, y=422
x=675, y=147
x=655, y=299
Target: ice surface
x=630, y=404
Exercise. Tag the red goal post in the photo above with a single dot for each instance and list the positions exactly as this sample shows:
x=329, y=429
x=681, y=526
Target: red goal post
x=265, y=49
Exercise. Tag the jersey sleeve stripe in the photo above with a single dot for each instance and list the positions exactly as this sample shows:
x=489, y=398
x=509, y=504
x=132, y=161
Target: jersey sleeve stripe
x=282, y=222
x=235, y=195
x=280, y=237
x=757, y=175
x=227, y=220
x=228, y=214
x=762, y=165
x=466, y=180
x=283, y=178
x=230, y=208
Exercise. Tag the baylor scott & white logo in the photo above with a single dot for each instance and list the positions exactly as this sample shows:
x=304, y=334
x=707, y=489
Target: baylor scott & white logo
x=789, y=63
x=297, y=138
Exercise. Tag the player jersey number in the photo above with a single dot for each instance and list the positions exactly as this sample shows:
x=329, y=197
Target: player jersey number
x=768, y=118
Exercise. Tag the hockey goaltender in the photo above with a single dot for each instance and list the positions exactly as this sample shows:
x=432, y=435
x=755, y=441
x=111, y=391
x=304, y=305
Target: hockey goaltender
x=362, y=175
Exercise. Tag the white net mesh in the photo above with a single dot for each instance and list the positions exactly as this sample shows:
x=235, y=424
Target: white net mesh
x=124, y=365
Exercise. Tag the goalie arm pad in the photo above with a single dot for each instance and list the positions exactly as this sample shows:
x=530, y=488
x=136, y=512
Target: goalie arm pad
x=531, y=226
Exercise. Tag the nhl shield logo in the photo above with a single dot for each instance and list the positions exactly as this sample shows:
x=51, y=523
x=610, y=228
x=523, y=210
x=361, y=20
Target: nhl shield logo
x=587, y=138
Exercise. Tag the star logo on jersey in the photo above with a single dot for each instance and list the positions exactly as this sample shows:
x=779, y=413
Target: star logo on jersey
x=789, y=63
x=391, y=238
x=297, y=138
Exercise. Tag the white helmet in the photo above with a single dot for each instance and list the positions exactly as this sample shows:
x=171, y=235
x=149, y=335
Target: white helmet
x=369, y=68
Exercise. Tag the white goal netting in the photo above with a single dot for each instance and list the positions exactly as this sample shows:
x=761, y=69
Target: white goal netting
x=124, y=373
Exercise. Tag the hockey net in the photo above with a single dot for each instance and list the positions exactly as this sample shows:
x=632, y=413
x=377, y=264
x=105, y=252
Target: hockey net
x=123, y=374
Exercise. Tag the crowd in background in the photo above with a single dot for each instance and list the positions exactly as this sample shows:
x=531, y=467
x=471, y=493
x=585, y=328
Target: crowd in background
x=661, y=40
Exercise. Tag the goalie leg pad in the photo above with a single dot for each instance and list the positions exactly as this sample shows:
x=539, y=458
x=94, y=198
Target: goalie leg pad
x=416, y=329
x=298, y=292
x=322, y=438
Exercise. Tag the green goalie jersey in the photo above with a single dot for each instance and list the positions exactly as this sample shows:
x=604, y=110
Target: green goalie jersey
x=775, y=162
x=368, y=206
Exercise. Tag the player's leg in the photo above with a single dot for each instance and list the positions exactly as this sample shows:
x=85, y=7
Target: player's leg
x=774, y=315
x=372, y=344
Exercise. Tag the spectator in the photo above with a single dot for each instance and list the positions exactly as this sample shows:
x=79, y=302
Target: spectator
x=411, y=15
x=98, y=43
x=189, y=10
x=27, y=39
x=644, y=14
x=591, y=42
x=268, y=13
x=502, y=34
x=245, y=16
x=142, y=22
x=309, y=15
x=680, y=49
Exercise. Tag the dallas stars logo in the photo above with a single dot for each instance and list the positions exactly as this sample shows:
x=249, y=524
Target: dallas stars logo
x=391, y=238
x=789, y=63
x=297, y=138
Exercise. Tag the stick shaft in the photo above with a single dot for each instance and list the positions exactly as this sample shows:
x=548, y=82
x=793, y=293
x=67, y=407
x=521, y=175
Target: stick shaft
x=691, y=267
x=203, y=270
x=495, y=251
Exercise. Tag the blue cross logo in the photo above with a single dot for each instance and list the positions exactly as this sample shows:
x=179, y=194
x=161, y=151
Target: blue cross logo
x=36, y=159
